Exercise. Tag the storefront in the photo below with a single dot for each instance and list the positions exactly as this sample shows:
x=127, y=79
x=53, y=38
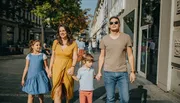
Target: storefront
x=175, y=63
x=141, y=20
x=158, y=43
x=148, y=39
x=154, y=27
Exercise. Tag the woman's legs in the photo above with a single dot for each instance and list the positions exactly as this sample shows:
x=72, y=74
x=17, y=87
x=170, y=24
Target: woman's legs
x=41, y=98
x=30, y=98
x=58, y=94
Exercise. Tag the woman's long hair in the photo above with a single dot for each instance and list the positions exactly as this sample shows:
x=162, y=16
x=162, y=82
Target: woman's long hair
x=69, y=35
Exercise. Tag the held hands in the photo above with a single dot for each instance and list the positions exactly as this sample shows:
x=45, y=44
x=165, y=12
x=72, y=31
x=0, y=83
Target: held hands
x=132, y=77
x=98, y=76
x=49, y=74
x=70, y=71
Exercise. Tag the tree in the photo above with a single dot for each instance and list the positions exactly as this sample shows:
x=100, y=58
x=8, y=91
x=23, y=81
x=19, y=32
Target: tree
x=57, y=12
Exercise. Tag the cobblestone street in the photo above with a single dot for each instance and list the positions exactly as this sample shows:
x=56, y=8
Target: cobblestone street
x=10, y=88
x=146, y=32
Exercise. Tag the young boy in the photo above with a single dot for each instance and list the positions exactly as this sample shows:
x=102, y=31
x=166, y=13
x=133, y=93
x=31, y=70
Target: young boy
x=85, y=77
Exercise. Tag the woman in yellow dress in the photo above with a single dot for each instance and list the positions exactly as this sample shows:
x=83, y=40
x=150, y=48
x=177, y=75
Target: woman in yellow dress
x=62, y=63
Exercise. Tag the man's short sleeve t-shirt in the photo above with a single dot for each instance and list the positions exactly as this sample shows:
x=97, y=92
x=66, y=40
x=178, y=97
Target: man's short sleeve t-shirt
x=115, y=52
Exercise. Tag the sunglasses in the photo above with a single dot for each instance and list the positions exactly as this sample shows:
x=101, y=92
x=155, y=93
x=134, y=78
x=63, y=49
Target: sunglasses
x=111, y=23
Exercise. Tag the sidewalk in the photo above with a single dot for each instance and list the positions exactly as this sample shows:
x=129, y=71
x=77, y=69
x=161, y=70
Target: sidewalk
x=154, y=93
x=6, y=57
x=142, y=90
x=10, y=88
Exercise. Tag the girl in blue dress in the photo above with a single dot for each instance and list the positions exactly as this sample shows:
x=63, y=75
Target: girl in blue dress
x=37, y=81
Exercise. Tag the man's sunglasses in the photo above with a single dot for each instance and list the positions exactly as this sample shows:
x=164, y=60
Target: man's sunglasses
x=111, y=23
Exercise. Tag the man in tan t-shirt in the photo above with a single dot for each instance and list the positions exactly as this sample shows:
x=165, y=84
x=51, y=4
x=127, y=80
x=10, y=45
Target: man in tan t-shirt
x=113, y=55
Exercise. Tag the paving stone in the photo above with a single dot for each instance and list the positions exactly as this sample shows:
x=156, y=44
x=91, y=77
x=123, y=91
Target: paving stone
x=11, y=70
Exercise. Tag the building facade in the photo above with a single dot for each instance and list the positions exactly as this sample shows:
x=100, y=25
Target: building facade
x=15, y=25
x=154, y=27
x=99, y=24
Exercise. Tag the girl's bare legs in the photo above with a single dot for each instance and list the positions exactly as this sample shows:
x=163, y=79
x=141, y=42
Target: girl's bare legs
x=41, y=98
x=30, y=98
x=58, y=94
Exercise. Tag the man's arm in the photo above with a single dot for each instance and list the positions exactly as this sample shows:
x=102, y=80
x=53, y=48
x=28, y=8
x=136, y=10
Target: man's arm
x=130, y=58
x=131, y=62
x=101, y=62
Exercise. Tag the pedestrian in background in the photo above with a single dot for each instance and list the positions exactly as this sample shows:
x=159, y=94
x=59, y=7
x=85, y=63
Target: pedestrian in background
x=85, y=76
x=90, y=47
x=77, y=41
x=114, y=48
x=62, y=64
x=94, y=45
x=86, y=44
x=36, y=68
x=81, y=47
x=45, y=50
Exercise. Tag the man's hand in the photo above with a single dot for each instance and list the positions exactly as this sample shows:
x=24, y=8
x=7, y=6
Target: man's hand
x=98, y=76
x=132, y=77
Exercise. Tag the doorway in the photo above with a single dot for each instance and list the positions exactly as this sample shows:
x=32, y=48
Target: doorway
x=149, y=39
x=143, y=51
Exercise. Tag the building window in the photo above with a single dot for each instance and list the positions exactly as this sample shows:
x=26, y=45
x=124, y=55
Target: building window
x=0, y=35
x=19, y=34
x=10, y=35
x=129, y=23
x=149, y=11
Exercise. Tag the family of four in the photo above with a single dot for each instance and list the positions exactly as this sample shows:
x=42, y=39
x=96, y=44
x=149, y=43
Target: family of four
x=112, y=59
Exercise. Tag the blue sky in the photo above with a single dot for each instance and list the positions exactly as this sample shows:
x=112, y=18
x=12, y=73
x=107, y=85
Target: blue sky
x=89, y=4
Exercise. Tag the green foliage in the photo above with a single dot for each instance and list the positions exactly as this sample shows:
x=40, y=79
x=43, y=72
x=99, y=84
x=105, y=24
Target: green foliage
x=42, y=10
x=55, y=12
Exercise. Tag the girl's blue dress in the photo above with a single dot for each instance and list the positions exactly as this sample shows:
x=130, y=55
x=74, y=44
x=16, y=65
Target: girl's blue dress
x=37, y=81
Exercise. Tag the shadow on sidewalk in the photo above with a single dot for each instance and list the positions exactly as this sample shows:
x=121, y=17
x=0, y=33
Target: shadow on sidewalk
x=159, y=101
x=76, y=97
x=97, y=93
x=137, y=95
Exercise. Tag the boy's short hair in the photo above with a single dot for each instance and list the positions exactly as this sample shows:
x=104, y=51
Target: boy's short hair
x=88, y=57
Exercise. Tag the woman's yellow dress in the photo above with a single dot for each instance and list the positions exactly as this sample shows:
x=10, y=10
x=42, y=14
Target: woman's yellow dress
x=62, y=62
